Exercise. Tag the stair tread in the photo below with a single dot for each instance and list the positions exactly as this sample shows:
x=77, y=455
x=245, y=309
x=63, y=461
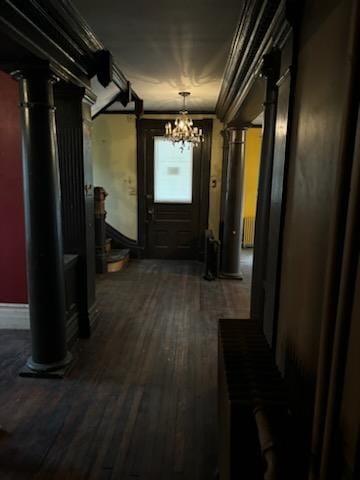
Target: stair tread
x=118, y=254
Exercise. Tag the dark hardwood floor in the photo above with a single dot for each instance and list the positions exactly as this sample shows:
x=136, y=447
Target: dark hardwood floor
x=140, y=402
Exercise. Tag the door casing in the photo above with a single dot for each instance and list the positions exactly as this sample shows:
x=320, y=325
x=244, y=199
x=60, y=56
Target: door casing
x=156, y=127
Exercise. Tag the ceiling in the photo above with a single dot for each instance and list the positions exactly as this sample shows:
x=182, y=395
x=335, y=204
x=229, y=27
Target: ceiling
x=163, y=47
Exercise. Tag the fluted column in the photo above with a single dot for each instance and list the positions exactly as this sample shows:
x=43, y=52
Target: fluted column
x=45, y=263
x=232, y=207
x=73, y=125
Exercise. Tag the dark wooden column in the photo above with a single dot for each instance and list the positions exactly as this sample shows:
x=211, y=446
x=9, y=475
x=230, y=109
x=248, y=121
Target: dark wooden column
x=45, y=263
x=271, y=72
x=73, y=121
x=278, y=194
x=232, y=204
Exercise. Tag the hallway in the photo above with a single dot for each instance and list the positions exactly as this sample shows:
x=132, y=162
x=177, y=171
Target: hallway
x=158, y=130
x=141, y=399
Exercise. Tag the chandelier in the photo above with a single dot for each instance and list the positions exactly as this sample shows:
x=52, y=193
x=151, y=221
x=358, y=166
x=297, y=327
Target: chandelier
x=183, y=130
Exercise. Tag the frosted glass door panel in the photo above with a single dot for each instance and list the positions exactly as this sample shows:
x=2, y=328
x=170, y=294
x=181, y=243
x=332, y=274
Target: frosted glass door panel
x=173, y=172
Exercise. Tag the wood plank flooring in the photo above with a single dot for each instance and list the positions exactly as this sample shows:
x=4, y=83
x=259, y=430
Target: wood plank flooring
x=140, y=402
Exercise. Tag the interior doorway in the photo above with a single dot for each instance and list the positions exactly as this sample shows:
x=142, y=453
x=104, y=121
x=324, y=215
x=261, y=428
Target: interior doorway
x=173, y=192
x=253, y=142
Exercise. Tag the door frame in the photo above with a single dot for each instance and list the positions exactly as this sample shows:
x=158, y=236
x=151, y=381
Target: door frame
x=147, y=127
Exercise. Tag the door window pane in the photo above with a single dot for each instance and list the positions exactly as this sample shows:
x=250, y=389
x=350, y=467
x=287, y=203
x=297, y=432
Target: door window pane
x=173, y=172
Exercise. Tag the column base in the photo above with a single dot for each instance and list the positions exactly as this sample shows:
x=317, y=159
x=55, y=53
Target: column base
x=231, y=276
x=47, y=370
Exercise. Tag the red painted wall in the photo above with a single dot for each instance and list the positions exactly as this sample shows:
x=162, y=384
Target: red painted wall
x=12, y=235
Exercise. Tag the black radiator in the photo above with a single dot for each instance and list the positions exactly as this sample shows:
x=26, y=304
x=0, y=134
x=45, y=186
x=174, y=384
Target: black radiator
x=253, y=412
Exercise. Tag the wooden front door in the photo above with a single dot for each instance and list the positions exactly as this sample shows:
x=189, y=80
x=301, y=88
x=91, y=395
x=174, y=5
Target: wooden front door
x=173, y=194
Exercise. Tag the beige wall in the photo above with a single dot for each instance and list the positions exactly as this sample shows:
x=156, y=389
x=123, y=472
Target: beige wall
x=215, y=175
x=115, y=169
x=114, y=154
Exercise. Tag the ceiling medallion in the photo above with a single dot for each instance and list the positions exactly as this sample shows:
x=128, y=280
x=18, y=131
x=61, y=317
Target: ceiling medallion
x=183, y=130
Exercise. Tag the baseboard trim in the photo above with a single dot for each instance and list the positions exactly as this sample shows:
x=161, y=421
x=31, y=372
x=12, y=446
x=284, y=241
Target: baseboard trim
x=14, y=316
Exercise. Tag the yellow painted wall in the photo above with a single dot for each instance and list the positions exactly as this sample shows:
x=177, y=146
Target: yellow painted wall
x=115, y=169
x=253, y=141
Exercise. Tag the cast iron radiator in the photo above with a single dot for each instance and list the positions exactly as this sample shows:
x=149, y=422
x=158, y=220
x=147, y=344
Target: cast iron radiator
x=211, y=256
x=248, y=232
x=253, y=412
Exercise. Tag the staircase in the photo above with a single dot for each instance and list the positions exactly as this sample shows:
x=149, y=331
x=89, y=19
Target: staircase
x=116, y=259
x=108, y=259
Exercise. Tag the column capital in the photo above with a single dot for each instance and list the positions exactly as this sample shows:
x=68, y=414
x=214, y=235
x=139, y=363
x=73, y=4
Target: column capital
x=36, y=85
x=234, y=134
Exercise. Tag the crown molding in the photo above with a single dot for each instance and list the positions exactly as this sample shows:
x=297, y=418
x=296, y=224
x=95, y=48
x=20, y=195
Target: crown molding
x=263, y=26
x=54, y=30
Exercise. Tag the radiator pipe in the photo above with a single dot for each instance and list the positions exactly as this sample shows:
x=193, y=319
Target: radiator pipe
x=267, y=445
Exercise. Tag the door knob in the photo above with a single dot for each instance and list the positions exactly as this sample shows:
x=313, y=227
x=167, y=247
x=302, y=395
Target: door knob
x=151, y=213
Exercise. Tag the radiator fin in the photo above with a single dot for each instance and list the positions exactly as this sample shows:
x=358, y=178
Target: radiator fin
x=249, y=382
x=248, y=232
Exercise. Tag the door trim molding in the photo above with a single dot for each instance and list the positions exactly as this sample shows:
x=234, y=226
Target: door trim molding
x=143, y=126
